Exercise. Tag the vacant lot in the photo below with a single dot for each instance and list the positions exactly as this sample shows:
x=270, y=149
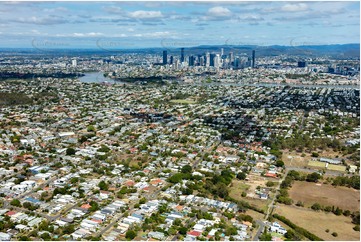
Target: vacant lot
x=236, y=189
x=325, y=194
x=296, y=159
x=318, y=222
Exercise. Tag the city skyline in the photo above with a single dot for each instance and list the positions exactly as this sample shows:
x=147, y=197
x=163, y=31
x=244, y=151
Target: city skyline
x=131, y=25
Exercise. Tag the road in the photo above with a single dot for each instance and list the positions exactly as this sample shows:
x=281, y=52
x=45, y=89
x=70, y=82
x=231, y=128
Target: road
x=270, y=208
x=260, y=230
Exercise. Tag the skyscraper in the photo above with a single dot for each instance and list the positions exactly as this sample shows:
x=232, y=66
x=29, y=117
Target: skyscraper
x=211, y=62
x=208, y=59
x=253, y=58
x=171, y=60
x=164, y=57
x=182, y=55
x=191, y=60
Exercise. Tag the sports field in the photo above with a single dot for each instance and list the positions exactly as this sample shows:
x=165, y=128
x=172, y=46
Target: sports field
x=318, y=222
x=325, y=194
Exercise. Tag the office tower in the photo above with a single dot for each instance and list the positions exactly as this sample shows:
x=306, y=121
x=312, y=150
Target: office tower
x=231, y=58
x=164, y=57
x=182, y=55
x=171, y=60
x=212, y=57
x=222, y=51
x=74, y=63
x=217, y=61
x=201, y=61
x=208, y=59
x=191, y=60
x=302, y=64
x=253, y=58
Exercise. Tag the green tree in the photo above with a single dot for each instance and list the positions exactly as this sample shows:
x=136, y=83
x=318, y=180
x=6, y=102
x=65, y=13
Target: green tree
x=265, y=237
x=241, y=176
x=103, y=186
x=313, y=177
x=130, y=234
x=15, y=202
x=70, y=151
x=186, y=169
x=316, y=206
x=279, y=163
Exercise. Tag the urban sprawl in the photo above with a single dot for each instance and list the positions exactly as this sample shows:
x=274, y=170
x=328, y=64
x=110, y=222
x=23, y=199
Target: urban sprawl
x=172, y=145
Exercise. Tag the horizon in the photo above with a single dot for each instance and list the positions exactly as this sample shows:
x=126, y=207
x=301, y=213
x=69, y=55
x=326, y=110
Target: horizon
x=172, y=25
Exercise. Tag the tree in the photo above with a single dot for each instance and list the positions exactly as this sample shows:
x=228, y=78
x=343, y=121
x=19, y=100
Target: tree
x=279, y=163
x=130, y=234
x=90, y=128
x=45, y=236
x=15, y=202
x=70, y=151
x=265, y=237
x=103, y=186
x=270, y=184
x=334, y=234
x=241, y=176
x=316, y=206
x=183, y=230
x=313, y=177
x=186, y=169
x=27, y=205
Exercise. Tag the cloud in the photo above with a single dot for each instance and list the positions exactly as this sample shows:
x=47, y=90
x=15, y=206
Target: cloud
x=141, y=14
x=297, y=7
x=47, y=20
x=219, y=12
x=90, y=34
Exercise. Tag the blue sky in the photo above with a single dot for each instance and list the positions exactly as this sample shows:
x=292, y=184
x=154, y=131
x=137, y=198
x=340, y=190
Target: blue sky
x=110, y=25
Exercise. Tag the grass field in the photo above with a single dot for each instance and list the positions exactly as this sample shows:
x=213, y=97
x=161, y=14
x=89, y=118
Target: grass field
x=325, y=194
x=318, y=222
x=336, y=167
x=183, y=101
x=236, y=189
x=317, y=164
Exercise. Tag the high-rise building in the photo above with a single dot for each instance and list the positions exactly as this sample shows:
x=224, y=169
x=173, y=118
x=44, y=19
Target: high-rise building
x=208, y=59
x=253, y=58
x=217, y=61
x=211, y=62
x=222, y=51
x=302, y=64
x=231, y=58
x=171, y=60
x=191, y=60
x=164, y=57
x=74, y=63
x=182, y=55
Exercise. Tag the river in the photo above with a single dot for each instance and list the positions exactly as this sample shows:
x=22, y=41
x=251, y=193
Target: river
x=95, y=77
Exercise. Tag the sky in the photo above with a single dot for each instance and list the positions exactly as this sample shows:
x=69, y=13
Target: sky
x=128, y=25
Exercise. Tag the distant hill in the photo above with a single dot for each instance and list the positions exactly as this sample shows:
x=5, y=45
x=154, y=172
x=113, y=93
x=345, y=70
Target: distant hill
x=334, y=50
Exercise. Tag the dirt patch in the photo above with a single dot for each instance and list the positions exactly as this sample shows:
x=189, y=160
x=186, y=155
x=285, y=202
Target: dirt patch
x=325, y=194
x=318, y=222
